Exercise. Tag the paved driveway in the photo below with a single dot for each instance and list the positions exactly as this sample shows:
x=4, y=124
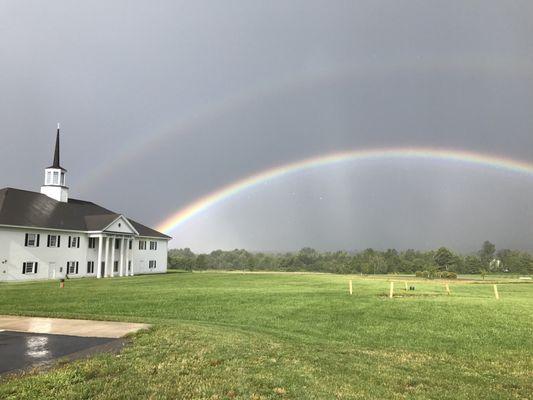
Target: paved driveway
x=19, y=350
x=30, y=341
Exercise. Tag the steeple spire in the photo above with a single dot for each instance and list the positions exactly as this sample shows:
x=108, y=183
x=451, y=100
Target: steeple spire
x=57, y=164
x=56, y=152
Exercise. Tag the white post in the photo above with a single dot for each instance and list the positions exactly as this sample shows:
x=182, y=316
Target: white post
x=351, y=289
x=112, y=265
x=391, y=292
x=496, y=294
x=98, y=269
x=106, y=262
x=121, y=262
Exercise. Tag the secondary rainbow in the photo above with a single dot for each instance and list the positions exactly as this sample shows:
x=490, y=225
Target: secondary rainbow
x=218, y=196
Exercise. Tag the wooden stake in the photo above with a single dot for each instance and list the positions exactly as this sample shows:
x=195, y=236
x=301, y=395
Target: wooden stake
x=391, y=292
x=405, y=286
x=447, y=288
x=351, y=291
x=496, y=294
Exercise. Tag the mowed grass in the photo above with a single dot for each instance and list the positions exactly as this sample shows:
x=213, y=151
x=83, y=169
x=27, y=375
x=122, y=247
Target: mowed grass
x=287, y=336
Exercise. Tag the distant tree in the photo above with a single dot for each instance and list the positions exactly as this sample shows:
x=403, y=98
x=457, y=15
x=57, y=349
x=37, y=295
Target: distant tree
x=308, y=256
x=472, y=265
x=486, y=254
x=483, y=272
x=444, y=258
x=377, y=264
x=201, y=262
x=181, y=259
x=392, y=260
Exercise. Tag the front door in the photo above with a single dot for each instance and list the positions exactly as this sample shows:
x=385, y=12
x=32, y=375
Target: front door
x=52, y=273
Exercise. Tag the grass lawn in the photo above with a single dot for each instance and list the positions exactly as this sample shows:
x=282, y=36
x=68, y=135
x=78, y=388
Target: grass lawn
x=287, y=336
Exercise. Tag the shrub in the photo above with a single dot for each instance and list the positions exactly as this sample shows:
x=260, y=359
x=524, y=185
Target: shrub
x=448, y=275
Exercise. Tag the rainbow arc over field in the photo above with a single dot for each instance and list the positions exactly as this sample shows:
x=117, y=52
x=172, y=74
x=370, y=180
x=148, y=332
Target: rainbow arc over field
x=467, y=157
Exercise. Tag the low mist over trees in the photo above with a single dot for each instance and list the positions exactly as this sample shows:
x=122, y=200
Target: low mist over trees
x=369, y=261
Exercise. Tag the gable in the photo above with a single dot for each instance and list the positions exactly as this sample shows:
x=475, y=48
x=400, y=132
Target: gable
x=121, y=225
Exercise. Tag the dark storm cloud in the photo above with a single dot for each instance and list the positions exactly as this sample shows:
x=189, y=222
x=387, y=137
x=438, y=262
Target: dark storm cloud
x=164, y=102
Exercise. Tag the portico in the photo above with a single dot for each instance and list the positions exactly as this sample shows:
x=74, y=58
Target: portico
x=115, y=249
x=107, y=255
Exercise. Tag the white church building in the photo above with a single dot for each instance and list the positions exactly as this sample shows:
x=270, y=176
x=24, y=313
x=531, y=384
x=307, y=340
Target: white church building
x=48, y=235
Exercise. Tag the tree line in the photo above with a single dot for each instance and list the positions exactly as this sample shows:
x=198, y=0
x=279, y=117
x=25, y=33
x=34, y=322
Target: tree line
x=369, y=261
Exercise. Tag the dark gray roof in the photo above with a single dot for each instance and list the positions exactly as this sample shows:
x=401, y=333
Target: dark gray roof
x=32, y=209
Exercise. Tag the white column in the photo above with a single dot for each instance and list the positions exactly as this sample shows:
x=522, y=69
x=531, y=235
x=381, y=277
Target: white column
x=127, y=251
x=112, y=265
x=98, y=269
x=131, y=255
x=106, y=262
x=121, y=262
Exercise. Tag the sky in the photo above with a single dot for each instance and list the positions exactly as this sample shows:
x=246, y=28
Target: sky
x=162, y=103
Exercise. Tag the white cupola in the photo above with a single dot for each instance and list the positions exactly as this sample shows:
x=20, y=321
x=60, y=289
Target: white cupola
x=54, y=178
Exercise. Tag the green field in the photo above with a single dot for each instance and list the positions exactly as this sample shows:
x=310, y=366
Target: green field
x=287, y=336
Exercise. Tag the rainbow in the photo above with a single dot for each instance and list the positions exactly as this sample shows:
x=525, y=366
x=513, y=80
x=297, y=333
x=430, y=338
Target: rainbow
x=218, y=196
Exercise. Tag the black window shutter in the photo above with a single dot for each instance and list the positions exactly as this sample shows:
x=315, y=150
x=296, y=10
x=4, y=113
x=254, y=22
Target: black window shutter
x=35, y=268
x=38, y=238
x=69, y=241
x=24, y=264
x=58, y=240
x=77, y=263
x=48, y=241
x=78, y=246
x=26, y=240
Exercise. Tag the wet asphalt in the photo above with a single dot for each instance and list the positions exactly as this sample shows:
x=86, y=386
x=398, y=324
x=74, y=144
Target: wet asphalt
x=19, y=350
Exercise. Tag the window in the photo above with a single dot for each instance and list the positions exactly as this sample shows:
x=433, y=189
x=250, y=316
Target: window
x=54, y=240
x=130, y=244
x=62, y=179
x=142, y=244
x=74, y=241
x=92, y=243
x=29, y=267
x=152, y=264
x=32, y=239
x=153, y=245
x=117, y=244
x=129, y=266
x=90, y=267
x=56, y=178
x=72, y=267
x=115, y=266
x=48, y=178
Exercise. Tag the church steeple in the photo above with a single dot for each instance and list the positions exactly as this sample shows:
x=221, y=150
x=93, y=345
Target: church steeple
x=56, y=152
x=54, y=177
x=56, y=163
